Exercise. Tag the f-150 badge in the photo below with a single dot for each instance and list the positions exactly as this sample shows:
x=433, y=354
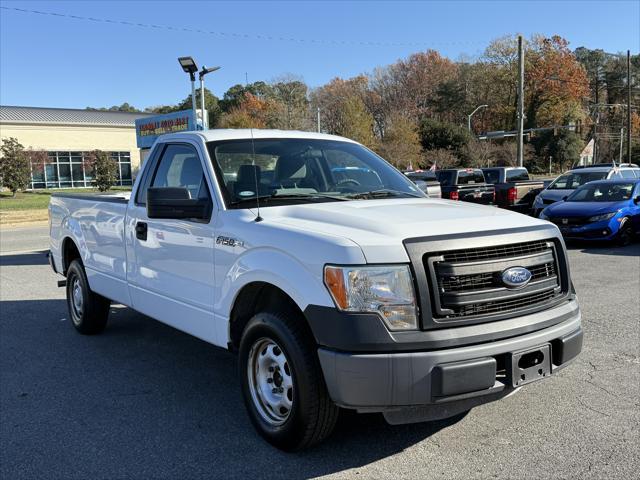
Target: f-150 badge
x=228, y=241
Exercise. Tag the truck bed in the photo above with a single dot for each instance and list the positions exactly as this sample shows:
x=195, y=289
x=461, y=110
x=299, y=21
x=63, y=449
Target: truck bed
x=99, y=221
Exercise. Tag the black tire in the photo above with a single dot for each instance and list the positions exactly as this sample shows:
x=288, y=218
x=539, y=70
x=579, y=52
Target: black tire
x=89, y=317
x=312, y=415
x=625, y=235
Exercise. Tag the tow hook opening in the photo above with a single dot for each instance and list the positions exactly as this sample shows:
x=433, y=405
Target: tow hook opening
x=530, y=359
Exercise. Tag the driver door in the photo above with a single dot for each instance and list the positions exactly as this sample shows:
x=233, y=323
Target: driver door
x=171, y=272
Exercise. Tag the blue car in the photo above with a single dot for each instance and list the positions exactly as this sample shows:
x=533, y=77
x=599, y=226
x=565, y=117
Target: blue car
x=601, y=210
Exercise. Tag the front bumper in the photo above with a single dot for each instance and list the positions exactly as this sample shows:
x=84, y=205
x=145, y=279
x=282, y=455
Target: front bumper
x=605, y=230
x=446, y=380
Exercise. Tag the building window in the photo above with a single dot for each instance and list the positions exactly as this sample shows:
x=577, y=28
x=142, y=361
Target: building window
x=69, y=170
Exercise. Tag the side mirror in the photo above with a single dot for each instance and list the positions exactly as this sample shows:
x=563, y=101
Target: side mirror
x=176, y=203
x=636, y=200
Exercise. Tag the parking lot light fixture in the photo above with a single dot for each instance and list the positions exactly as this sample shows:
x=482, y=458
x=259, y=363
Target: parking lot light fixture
x=189, y=66
x=472, y=114
x=203, y=72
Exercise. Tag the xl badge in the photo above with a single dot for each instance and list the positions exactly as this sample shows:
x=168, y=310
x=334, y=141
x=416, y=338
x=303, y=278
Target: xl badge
x=516, y=277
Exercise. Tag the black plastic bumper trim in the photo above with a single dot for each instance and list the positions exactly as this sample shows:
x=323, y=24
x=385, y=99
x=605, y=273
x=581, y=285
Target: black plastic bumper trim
x=366, y=332
x=567, y=348
x=455, y=378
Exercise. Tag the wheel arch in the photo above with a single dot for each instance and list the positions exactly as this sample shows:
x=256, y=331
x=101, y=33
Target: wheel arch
x=70, y=252
x=255, y=297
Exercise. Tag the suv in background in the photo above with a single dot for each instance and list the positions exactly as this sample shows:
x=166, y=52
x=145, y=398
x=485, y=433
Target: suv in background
x=566, y=183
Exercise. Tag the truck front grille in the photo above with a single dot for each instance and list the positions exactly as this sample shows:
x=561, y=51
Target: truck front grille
x=467, y=283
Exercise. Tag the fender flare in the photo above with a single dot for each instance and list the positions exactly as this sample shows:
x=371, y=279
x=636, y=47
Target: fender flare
x=71, y=231
x=302, y=285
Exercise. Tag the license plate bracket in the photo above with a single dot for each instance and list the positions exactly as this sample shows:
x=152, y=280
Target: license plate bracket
x=526, y=366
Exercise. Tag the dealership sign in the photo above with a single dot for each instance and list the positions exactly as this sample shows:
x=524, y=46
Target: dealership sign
x=150, y=128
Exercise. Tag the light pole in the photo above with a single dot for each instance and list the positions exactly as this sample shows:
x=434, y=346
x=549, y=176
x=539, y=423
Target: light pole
x=189, y=66
x=472, y=114
x=205, y=117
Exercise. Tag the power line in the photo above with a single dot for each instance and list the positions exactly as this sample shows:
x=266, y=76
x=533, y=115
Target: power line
x=247, y=36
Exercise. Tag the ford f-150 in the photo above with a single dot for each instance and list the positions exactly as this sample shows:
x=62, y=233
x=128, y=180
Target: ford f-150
x=337, y=282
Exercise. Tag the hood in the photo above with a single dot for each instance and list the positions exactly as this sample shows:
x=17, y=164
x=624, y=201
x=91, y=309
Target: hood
x=581, y=209
x=380, y=226
x=555, y=195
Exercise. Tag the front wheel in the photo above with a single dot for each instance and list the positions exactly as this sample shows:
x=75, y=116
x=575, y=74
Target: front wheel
x=282, y=382
x=625, y=235
x=88, y=310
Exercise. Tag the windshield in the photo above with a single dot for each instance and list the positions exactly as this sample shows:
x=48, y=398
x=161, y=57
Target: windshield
x=572, y=180
x=602, y=192
x=303, y=170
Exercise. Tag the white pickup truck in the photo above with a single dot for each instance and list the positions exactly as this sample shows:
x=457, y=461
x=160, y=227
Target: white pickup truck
x=333, y=277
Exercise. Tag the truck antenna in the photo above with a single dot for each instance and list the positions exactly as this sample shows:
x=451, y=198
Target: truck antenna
x=255, y=176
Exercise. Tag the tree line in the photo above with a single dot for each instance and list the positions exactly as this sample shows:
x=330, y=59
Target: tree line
x=414, y=112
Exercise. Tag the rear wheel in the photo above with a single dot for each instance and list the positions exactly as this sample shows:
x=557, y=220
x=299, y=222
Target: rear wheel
x=88, y=310
x=625, y=235
x=282, y=382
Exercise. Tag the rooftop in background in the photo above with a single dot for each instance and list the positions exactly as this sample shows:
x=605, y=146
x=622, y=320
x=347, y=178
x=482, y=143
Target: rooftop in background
x=67, y=116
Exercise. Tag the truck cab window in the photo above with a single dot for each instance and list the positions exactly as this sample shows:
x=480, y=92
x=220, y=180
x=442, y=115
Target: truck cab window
x=517, y=175
x=180, y=166
x=492, y=175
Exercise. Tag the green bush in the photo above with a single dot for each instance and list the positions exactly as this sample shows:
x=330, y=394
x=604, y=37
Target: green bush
x=105, y=169
x=15, y=173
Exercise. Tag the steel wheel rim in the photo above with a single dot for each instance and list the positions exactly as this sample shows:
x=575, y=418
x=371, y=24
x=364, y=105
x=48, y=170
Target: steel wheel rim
x=77, y=300
x=270, y=381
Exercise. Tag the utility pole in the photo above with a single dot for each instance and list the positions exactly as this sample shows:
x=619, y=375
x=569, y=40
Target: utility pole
x=595, y=125
x=621, y=142
x=318, y=118
x=628, y=106
x=520, y=101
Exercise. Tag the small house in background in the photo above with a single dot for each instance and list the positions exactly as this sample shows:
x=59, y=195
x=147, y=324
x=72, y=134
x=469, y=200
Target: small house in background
x=586, y=156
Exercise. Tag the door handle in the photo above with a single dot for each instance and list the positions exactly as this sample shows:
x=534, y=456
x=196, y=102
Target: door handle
x=141, y=231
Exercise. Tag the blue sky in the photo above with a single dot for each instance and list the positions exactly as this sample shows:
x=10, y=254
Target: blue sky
x=64, y=62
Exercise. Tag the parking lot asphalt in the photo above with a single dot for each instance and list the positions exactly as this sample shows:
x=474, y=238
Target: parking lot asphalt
x=143, y=400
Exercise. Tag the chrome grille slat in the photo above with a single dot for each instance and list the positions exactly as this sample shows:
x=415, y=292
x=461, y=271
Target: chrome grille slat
x=489, y=280
x=506, y=305
x=468, y=283
x=513, y=250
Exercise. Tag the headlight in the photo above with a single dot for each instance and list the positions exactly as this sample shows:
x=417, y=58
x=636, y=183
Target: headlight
x=385, y=290
x=604, y=216
x=538, y=200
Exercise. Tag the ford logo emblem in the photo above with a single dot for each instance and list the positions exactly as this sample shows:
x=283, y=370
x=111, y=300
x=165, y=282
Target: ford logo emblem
x=516, y=277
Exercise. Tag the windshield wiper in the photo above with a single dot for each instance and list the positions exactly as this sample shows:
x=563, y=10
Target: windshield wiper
x=289, y=196
x=383, y=193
